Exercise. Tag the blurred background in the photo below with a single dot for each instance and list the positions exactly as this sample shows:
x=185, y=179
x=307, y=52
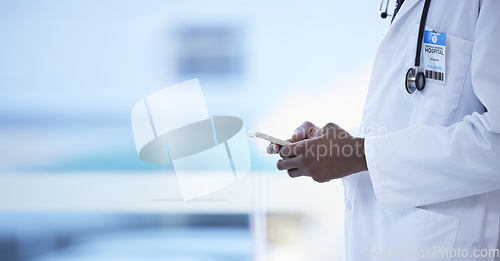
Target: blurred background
x=71, y=184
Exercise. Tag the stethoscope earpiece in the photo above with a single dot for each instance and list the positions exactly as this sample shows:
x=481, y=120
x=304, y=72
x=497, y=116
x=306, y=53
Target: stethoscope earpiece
x=415, y=80
x=383, y=11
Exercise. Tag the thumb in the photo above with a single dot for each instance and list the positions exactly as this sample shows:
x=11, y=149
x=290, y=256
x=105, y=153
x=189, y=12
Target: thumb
x=304, y=131
x=330, y=130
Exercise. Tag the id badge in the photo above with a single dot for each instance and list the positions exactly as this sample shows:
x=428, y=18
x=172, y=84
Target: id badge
x=435, y=57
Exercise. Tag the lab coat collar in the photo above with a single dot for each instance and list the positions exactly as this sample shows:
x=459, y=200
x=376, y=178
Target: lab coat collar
x=407, y=6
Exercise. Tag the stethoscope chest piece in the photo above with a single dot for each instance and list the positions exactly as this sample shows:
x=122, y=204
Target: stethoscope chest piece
x=415, y=80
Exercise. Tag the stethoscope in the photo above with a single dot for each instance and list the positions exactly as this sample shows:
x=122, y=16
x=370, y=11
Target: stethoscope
x=414, y=80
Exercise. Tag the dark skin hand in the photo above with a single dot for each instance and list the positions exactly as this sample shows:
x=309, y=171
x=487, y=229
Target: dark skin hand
x=323, y=154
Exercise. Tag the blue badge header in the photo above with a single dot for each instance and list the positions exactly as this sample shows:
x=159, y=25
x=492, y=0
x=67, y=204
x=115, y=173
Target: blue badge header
x=431, y=37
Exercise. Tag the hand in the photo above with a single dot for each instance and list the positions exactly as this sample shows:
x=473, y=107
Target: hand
x=305, y=131
x=330, y=153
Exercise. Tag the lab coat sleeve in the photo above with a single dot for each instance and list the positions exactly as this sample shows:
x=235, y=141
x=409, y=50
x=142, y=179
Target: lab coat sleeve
x=430, y=164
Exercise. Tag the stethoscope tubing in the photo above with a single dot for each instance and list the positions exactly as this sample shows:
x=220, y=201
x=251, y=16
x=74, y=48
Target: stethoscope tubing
x=415, y=80
x=421, y=31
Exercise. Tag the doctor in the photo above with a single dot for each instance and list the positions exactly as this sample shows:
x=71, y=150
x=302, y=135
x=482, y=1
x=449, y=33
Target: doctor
x=422, y=173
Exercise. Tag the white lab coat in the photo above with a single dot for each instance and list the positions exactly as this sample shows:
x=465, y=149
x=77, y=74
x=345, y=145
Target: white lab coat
x=433, y=156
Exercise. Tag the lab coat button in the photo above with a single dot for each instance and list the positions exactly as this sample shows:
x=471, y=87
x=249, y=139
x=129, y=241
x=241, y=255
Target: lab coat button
x=366, y=129
x=348, y=205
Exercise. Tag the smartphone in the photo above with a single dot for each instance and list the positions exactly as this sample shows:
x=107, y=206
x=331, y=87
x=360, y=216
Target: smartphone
x=260, y=135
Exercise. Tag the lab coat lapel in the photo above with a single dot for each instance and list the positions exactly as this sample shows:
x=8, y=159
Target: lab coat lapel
x=407, y=5
x=389, y=36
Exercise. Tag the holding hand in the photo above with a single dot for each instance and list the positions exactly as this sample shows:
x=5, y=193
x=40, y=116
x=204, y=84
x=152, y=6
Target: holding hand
x=305, y=131
x=321, y=153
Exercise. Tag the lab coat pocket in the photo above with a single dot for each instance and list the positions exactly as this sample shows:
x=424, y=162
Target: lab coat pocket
x=412, y=234
x=437, y=98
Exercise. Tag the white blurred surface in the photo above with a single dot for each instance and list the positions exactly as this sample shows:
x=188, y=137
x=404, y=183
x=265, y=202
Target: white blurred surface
x=159, y=192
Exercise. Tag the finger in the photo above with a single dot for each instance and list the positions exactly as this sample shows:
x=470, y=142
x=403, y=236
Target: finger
x=299, y=135
x=273, y=148
x=290, y=163
x=293, y=173
x=301, y=132
x=304, y=131
x=329, y=129
x=294, y=149
x=286, y=152
x=319, y=132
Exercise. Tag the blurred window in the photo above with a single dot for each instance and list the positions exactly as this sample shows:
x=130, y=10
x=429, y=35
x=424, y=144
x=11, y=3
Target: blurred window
x=210, y=51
